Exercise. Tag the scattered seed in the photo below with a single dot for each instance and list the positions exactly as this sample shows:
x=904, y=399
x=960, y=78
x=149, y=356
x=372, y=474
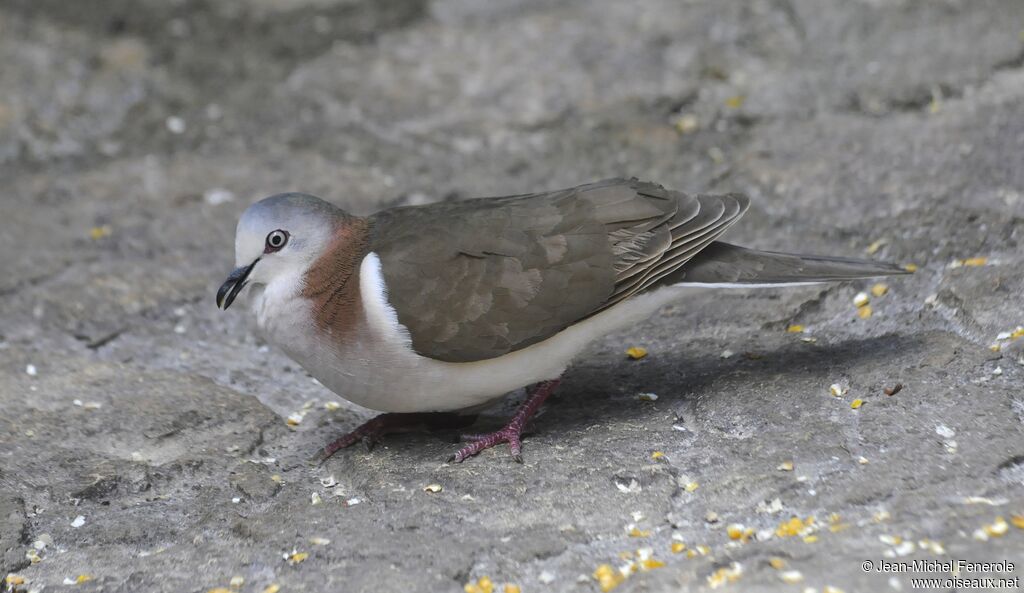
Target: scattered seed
x=875, y=246
x=795, y=329
x=837, y=390
x=894, y=389
x=647, y=397
x=791, y=577
x=862, y=460
x=296, y=557
x=857, y=403
x=433, y=488
x=725, y=575
x=636, y=352
x=98, y=232
x=272, y=588
x=910, y=268
x=14, y=580
x=785, y=466
x=865, y=312
x=678, y=547
x=973, y=262
x=735, y=102
x=997, y=528
x=879, y=289
x=777, y=563
x=657, y=455
x=687, y=123
x=691, y=486
x=482, y=585
x=319, y=541
x=331, y=406
x=236, y=582
x=861, y=299
x=608, y=577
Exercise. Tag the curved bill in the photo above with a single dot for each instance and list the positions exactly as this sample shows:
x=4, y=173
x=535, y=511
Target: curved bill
x=233, y=285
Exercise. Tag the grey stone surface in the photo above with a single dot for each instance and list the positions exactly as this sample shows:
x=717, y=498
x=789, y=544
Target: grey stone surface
x=132, y=134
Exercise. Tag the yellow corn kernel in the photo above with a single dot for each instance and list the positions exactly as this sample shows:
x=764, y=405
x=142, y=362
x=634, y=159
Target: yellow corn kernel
x=998, y=528
x=634, y=532
x=657, y=455
x=735, y=531
x=865, y=312
x=785, y=466
x=735, y=102
x=879, y=289
x=910, y=268
x=98, y=232
x=651, y=564
x=857, y=403
x=777, y=563
x=297, y=557
x=608, y=578
x=636, y=352
x=219, y=590
x=810, y=539
x=795, y=329
x=691, y=486
x=875, y=246
x=678, y=547
x=510, y=588
x=974, y=261
x=272, y=588
x=14, y=580
x=1018, y=521
x=1017, y=333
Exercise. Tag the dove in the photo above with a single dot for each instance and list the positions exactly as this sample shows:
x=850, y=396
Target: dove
x=448, y=307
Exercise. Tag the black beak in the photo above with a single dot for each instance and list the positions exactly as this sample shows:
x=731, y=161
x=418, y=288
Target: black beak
x=233, y=285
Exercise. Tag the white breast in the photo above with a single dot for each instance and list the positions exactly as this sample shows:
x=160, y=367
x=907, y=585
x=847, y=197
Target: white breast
x=378, y=369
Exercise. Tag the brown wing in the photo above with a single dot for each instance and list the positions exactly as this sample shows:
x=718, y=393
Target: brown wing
x=476, y=279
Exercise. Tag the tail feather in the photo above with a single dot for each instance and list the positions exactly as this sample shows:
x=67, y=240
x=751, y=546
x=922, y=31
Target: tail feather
x=724, y=264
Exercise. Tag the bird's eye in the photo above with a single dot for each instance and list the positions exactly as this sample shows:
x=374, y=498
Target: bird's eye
x=276, y=240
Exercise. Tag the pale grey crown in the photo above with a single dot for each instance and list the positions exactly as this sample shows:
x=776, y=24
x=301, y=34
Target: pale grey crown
x=308, y=220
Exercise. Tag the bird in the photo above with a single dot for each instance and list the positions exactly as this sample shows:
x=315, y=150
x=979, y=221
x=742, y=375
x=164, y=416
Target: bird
x=430, y=313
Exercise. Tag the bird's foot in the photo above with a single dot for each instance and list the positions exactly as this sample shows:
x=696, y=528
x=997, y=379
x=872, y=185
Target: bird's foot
x=370, y=432
x=512, y=432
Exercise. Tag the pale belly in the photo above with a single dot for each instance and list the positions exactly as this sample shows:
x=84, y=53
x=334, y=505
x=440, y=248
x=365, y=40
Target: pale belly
x=375, y=366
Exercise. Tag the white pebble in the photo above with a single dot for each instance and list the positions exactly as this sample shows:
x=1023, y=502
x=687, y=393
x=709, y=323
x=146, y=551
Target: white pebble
x=175, y=125
x=944, y=431
x=31, y=370
x=78, y=522
x=546, y=577
x=217, y=196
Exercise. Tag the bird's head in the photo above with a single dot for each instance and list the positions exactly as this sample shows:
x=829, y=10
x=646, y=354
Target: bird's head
x=277, y=238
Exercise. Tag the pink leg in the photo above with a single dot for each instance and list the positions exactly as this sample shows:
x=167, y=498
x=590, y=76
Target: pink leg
x=511, y=432
x=370, y=432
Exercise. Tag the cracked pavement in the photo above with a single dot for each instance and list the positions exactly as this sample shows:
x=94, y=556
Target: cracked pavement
x=132, y=135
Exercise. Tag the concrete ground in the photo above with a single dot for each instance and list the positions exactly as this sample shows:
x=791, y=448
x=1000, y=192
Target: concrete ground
x=143, y=435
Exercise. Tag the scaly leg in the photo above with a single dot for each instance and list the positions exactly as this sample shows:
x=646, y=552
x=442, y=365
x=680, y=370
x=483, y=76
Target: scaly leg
x=370, y=432
x=512, y=431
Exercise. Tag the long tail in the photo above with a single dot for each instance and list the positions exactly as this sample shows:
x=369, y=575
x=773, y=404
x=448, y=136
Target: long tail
x=722, y=264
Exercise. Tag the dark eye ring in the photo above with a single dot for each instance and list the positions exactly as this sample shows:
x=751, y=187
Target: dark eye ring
x=276, y=240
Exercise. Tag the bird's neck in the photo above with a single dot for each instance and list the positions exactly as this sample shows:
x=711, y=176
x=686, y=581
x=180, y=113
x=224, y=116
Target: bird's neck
x=331, y=283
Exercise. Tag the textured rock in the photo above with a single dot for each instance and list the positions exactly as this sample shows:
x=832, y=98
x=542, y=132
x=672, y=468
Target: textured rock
x=132, y=134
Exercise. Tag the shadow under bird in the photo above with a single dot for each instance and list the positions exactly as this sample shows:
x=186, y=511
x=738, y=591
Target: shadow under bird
x=450, y=306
